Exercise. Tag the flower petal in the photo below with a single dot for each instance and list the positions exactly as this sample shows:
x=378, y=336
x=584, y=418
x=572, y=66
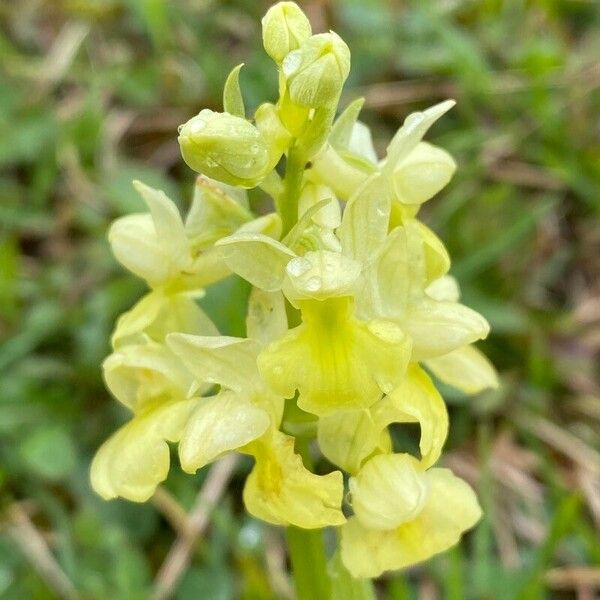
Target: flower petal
x=168, y=225
x=266, y=319
x=390, y=489
x=334, y=360
x=227, y=361
x=259, y=259
x=465, y=368
x=217, y=210
x=280, y=490
x=451, y=509
x=320, y=275
x=444, y=289
x=422, y=174
x=437, y=328
x=415, y=126
x=135, y=459
x=365, y=220
x=348, y=437
x=416, y=400
x=220, y=424
x=158, y=314
x=139, y=373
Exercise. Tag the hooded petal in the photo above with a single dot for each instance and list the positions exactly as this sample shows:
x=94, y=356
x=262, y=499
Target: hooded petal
x=334, y=360
x=422, y=174
x=217, y=210
x=451, y=509
x=135, y=459
x=280, y=490
x=437, y=328
x=320, y=275
x=139, y=373
x=158, y=314
x=465, y=368
x=152, y=246
x=413, y=129
x=390, y=489
x=220, y=424
x=444, y=289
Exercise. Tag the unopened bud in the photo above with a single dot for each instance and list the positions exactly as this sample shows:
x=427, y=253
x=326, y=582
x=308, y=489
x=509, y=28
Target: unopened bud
x=224, y=147
x=284, y=28
x=316, y=72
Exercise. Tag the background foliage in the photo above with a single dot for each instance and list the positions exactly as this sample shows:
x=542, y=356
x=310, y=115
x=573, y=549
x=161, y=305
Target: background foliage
x=91, y=93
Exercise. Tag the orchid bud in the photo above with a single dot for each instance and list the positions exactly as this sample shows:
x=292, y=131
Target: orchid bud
x=284, y=28
x=316, y=72
x=224, y=147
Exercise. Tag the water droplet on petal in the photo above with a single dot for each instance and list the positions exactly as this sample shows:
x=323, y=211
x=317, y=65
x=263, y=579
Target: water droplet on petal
x=298, y=266
x=314, y=284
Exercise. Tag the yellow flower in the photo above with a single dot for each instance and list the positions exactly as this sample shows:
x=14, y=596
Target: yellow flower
x=174, y=257
x=334, y=360
x=159, y=313
x=246, y=408
x=403, y=515
x=135, y=459
x=396, y=288
x=465, y=368
x=415, y=171
x=280, y=490
x=349, y=437
x=229, y=362
x=152, y=246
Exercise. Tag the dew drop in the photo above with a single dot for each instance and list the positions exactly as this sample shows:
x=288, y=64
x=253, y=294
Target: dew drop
x=314, y=284
x=298, y=266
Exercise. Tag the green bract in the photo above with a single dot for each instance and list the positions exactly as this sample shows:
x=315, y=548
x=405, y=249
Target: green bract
x=351, y=301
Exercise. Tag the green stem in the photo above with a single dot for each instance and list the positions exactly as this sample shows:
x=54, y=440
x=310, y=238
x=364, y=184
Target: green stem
x=307, y=550
x=292, y=185
x=309, y=563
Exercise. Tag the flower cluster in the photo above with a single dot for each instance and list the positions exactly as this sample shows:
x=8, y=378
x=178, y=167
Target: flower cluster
x=349, y=311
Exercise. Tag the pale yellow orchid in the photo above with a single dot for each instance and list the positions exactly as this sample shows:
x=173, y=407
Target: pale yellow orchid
x=332, y=358
x=465, y=368
x=416, y=170
x=351, y=304
x=395, y=288
x=403, y=514
x=349, y=437
x=245, y=416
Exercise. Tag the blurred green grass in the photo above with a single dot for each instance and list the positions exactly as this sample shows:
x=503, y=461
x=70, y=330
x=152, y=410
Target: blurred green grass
x=91, y=92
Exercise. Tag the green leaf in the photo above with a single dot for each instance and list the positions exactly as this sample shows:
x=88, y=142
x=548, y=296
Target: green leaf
x=49, y=452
